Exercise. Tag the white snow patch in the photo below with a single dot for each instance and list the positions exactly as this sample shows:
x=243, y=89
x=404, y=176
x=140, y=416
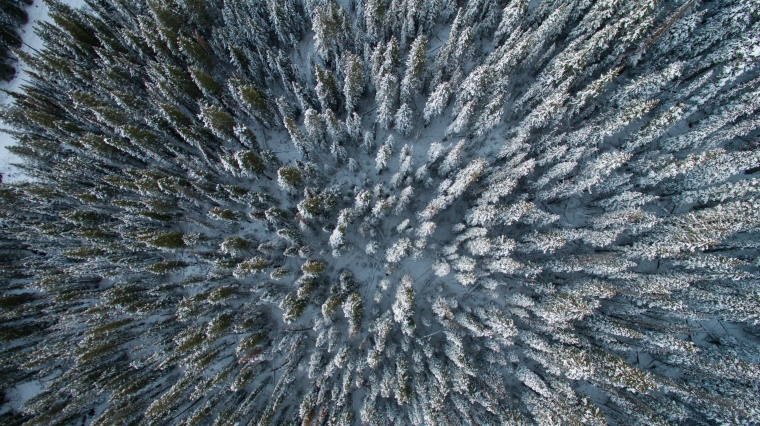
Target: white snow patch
x=21, y=393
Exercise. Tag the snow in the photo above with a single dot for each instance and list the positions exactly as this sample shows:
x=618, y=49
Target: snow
x=38, y=12
x=20, y=394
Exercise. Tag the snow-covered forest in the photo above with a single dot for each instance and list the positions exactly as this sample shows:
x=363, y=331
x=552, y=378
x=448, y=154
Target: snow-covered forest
x=385, y=212
x=25, y=39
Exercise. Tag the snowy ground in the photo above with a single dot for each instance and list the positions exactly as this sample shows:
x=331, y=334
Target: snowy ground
x=38, y=11
x=20, y=394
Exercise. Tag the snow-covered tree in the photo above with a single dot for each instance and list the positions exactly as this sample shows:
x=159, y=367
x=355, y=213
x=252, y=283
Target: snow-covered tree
x=403, y=307
x=353, y=84
x=414, y=78
x=437, y=101
x=404, y=122
x=332, y=30
x=384, y=154
x=326, y=89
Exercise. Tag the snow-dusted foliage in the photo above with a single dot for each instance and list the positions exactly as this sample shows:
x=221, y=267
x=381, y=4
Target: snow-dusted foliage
x=13, y=16
x=385, y=212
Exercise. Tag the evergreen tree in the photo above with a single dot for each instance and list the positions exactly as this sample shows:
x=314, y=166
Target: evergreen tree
x=327, y=89
x=414, y=78
x=353, y=85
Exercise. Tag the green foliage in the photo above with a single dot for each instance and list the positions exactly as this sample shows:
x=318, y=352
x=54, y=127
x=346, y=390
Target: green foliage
x=290, y=177
x=166, y=266
x=98, y=351
x=317, y=205
x=251, y=162
x=15, y=332
x=251, y=266
x=84, y=253
x=190, y=342
x=196, y=50
x=235, y=246
x=206, y=83
x=96, y=234
x=313, y=267
x=327, y=89
x=220, y=294
x=175, y=115
x=88, y=198
x=166, y=240
x=353, y=86
x=293, y=307
x=251, y=341
x=224, y=214
x=354, y=311
x=218, y=326
x=107, y=327
x=227, y=263
x=331, y=305
x=11, y=301
x=218, y=120
x=280, y=273
x=85, y=217
x=254, y=98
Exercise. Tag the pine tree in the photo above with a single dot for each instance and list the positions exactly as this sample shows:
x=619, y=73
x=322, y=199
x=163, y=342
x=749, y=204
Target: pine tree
x=404, y=120
x=414, y=78
x=353, y=85
x=332, y=31
x=384, y=154
x=437, y=102
x=327, y=89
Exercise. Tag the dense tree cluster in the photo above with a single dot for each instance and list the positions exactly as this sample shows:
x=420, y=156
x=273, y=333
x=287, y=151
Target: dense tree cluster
x=385, y=212
x=12, y=16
